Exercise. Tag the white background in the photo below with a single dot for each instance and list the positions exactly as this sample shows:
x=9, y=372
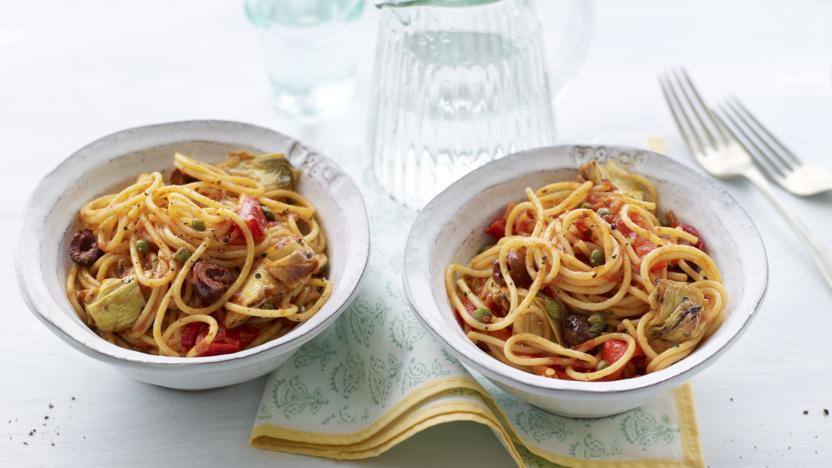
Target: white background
x=71, y=72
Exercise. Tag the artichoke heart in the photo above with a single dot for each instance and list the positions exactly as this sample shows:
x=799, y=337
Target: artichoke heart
x=117, y=305
x=620, y=177
x=292, y=261
x=273, y=170
x=259, y=289
x=259, y=286
x=555, y=312
x=679, y=314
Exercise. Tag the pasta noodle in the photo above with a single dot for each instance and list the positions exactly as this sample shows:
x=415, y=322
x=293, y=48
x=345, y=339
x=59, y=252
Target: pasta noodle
x=588, y=282
x=223, y=258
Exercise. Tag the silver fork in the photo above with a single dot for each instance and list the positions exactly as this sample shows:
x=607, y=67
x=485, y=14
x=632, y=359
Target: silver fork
x=712, y=146
x=777, y=162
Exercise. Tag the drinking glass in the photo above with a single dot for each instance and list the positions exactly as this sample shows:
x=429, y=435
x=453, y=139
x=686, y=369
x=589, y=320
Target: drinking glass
x=309, y=47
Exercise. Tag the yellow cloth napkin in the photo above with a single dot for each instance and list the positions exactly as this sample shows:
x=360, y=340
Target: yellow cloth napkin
x=377, y=377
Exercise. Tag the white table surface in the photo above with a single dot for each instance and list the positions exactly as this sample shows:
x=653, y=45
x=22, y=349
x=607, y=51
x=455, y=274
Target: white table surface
x=71, y=72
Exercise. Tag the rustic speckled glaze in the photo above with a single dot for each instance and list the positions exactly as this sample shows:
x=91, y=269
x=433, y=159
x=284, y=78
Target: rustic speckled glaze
x=450, y=229
x=109, y=163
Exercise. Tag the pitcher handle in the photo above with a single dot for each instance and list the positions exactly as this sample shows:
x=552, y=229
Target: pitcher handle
x=576, y=38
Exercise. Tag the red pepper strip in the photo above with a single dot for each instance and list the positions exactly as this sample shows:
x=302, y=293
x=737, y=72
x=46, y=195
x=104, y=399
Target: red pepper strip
x=220, y=345
x=621, y=227
x=584, y=233
x=643, y=247
x=503, y=334
x=190, y=332
x=229, y=341
x=215, y=348
x=195, y=332
x=469, y=307
x=251, y=214
x=613, y=351
x=700, y=244
x=245, y=334
x=497, y=228
x=675, y=222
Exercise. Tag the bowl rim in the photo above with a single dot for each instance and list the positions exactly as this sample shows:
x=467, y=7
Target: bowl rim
x=493, y=368
x=29, y=284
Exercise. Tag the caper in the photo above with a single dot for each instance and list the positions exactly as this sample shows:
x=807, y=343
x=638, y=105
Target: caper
x=596, y=257
x=198, y=224
x=585, y=206
x=553, y=308
x=481, y=313
x=142, y=246
x=603, y=212
x=602, y=364
x=598, y=322
x=182, y=255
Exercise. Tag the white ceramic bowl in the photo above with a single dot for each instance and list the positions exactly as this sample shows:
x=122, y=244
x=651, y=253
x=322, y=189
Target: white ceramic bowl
x=450, y=229
x=114, y=161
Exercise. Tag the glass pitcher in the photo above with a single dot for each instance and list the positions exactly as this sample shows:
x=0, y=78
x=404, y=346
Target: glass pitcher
x=459, y=83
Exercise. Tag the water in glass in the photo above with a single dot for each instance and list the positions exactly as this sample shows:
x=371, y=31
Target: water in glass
x=309, y=48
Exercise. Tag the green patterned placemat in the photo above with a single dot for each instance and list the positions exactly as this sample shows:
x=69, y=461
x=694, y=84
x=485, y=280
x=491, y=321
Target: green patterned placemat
x=377, y=377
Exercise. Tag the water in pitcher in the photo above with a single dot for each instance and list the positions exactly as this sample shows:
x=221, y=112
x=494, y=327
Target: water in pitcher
x=448, y=100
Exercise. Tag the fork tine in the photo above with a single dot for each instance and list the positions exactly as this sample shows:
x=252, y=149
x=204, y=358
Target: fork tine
x=700, y=128
x=683, y=123
x=786, y=156
x=682, y=75
x=741, y=137
x=765, y=150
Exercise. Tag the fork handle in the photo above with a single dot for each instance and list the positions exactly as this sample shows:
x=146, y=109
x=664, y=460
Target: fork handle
x=822, y=256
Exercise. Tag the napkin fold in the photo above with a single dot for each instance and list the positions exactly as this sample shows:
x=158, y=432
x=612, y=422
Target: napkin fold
x=377, y=377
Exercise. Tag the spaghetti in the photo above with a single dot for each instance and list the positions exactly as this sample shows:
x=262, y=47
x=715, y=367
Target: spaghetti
x=220, y=259
x=587, y=282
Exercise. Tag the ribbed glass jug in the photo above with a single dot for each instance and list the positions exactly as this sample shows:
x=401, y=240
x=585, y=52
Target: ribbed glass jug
x=457, y=83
